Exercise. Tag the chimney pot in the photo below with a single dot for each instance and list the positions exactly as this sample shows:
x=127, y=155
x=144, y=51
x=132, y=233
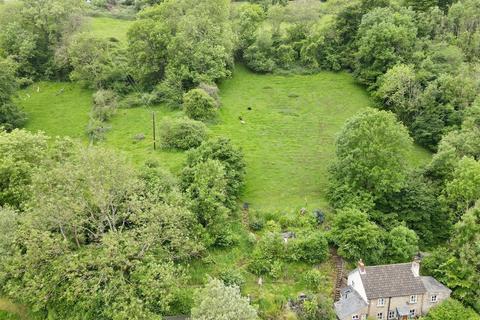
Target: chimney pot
x=416, y=267
x=361, y=267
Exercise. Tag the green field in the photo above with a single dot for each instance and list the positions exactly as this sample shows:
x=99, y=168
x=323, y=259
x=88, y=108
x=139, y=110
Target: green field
x=59, y=109
x=105, y=27
x=287, y=136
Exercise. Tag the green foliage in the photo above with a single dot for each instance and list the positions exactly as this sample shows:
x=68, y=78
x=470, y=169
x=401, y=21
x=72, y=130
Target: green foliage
x=11, y=116
x=259, y=55
x=199, y=105
x=451, y=310
x=314, y=279
x=443, y=104
x=95, y=242
x=399, y=91
x=44, y=25
x=457, y=144
x=96, y=62
x=385, y=37
x=216, y=301
x=356, y=237
x=268, y=250
x=463, y=190
x=247, y=20
x=207, y=191
x=20, y=154
x=371, y=157
x=232, y=277
x=457, y=265
x=230, y=157
x=310, y=247
x=182, y=134
x=402, y=244
x=320, y=307
x=104, y=105
x=186, y=41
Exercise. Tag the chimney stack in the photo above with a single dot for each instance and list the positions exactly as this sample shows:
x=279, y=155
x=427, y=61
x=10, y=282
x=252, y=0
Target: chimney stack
x=361, y=267
x=416, y=267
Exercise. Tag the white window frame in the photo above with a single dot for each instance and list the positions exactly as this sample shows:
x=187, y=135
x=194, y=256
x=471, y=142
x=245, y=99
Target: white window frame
x=392, y=314
x=380, y=316
x=380, y=302
x=355, y=317
x=413, y=298
x=434, y=298
x=412, y=314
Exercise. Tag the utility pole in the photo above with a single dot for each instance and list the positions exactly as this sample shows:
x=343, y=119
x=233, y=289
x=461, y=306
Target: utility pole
x=154, y=134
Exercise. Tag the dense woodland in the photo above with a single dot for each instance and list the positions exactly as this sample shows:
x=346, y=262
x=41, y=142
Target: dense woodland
x=85, y=234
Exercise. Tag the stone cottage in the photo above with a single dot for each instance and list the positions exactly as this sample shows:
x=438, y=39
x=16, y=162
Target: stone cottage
x=389, y=292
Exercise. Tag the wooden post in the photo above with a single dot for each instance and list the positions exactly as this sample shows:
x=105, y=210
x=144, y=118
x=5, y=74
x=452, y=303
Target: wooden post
x=154, y=134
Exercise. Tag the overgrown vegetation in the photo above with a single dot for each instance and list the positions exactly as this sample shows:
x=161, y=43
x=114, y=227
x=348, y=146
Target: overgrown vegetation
x=84, y=234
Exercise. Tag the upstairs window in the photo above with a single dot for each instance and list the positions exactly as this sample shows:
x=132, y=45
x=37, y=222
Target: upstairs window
x=413, y=298
x=381, y=302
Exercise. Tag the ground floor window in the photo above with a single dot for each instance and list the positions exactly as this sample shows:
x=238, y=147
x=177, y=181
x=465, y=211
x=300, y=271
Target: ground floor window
x=380, y=315
x=391, y=314
x=355, y=317
x=433, y=298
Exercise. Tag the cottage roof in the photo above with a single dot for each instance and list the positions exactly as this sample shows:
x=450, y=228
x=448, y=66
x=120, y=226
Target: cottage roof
x=350, y=304
x=392, y=280
x=433, y=286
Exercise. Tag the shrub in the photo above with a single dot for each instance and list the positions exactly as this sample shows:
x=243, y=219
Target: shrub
x=314, y=279
x=96, y=129
x=199, y=105
x=104, y=104
x=232, y=277
x=11, y=116
x=212, y=90
x=182, y=134
x=311, y=248
x=170, y=93
x=135, y=100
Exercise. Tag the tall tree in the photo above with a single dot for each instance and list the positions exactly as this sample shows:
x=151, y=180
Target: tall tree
x=385, y=37
x=371, y=156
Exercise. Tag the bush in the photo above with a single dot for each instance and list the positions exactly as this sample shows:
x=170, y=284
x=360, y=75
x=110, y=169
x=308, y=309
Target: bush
x=170, y=93
x=311, y=248
x=182, y=134
x=11, y=116
x=104, y=104
x=232, y=277
x=96, y=129
x=199, y=105
x=135, y=100
x=314, y=279
x=212, y=90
